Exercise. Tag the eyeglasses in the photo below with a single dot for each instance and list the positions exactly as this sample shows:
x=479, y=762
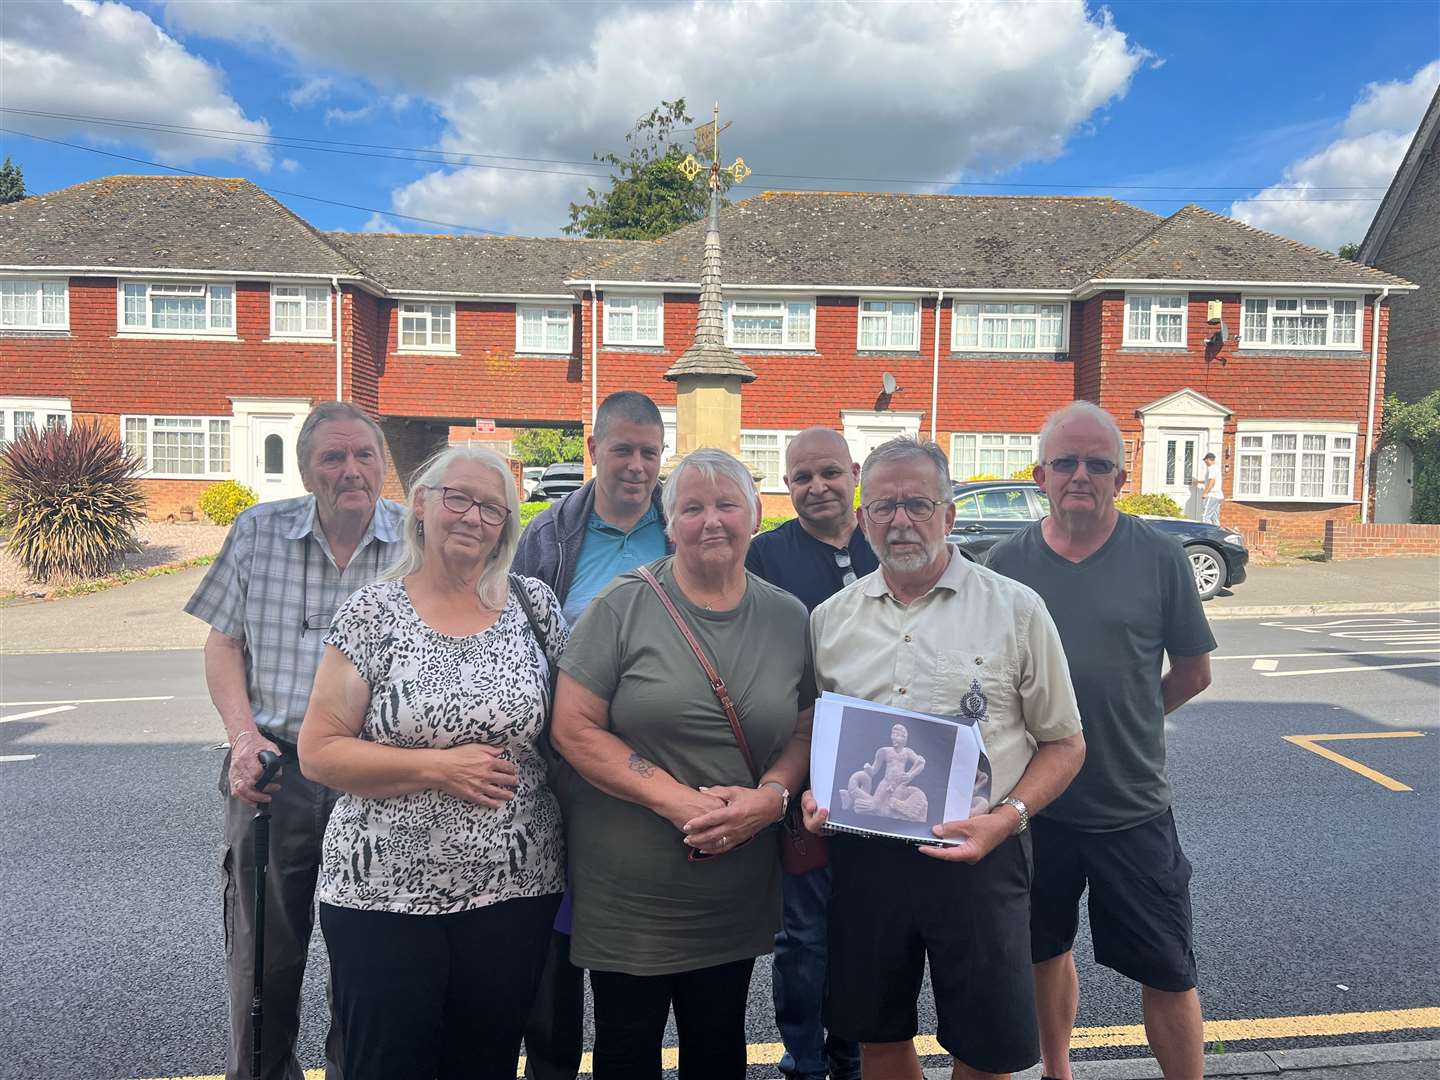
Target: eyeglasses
x=1095, y=466
x=842, y=560
x=457, y=502
x=318, y=620
x=917, y=508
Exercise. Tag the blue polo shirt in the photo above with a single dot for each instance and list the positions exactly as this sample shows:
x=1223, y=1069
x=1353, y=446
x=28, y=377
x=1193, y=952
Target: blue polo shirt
x=607, y=553
x=792, y=559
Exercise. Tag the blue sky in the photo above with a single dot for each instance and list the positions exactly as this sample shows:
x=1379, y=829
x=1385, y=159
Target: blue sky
x=1292, y=116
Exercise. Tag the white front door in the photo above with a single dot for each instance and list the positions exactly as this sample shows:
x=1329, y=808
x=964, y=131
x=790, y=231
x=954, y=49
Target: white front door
x=1180, y=453
x=273, y=458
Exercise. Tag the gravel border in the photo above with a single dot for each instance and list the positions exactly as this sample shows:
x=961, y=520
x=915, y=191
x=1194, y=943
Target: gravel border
x=161, y=544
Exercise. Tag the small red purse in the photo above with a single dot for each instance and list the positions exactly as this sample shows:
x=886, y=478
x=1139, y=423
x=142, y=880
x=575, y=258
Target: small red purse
x=800, y=850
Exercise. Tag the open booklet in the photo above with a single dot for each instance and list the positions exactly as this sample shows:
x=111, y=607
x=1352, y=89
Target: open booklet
x=883, y=771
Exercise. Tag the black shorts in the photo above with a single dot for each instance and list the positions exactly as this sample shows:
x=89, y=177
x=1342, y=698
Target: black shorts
x=1139, y=899
x=891, y=907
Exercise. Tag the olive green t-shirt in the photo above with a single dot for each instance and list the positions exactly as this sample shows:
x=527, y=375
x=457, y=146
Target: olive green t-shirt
x=641, y=907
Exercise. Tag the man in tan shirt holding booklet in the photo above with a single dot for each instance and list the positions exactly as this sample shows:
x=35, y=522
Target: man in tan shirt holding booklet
x=933, y=633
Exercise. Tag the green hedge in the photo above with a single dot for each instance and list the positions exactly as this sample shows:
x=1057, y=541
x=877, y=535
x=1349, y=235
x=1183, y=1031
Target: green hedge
x=1159, y=505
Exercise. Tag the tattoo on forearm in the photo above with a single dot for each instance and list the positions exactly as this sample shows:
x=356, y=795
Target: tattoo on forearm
x=640, y=765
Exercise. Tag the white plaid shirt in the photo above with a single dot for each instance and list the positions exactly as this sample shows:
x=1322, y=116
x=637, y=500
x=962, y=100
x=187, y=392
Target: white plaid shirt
x=275, y=587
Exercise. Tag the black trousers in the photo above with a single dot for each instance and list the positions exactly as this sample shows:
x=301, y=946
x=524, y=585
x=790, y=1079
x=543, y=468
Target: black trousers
x=554, y=1035
x=427, y=996
x=630, y=1014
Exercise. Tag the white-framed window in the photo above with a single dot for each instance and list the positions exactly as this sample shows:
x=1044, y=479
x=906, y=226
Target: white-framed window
x=1300, y=322
x=427, y=327
x=1155, y=319
x=770, y=324
x=179, y=446
x=300, y=311
x=177, y=307
x=634, y=320
x=34, y=304
x=1009, y=326
x=544, y=329
x=1303, y=465
x=990, y=453
x=764, y=452
x=19, y=414
x=889, y=324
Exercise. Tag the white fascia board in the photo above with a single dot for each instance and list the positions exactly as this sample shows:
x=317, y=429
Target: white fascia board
x=584, y=284
x=435, y=294
x=1096, y=285
x=168, y=272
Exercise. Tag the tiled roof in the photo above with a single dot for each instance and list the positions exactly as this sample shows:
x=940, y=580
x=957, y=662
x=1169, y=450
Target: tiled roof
x=163, y=222
x=476, y=264
x=1195, y=244
x=1421, y=147
x=929, y=241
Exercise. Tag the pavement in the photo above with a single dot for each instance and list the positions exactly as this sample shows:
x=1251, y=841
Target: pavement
x=1394, y=584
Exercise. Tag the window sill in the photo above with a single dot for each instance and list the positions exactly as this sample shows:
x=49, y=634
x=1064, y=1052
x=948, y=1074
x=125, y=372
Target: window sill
x=35, y=331
x=1298, y=353
x=1292, y=499
x=1132, y=347
x=202, y=478
x=533, y=354
x=296, y=339
x=1000, y=354
x=774, y=350
x=160, y=335
x=620, y=346
x=877, y=350
x=427, y=352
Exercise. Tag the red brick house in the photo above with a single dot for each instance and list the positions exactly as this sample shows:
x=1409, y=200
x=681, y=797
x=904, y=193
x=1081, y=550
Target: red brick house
x=199, y=317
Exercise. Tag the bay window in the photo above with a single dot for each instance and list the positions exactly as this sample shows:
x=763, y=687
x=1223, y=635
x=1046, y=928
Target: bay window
x=180, y=446
x=764, y=452
x=1317, y=466
x=997, y=454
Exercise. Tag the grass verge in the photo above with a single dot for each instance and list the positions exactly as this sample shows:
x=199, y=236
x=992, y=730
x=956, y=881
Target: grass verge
x=109, y=581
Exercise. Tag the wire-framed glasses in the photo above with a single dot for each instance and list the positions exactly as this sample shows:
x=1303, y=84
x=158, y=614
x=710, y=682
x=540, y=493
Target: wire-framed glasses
x=917, y=508
x=842, y=560
x=458, y=503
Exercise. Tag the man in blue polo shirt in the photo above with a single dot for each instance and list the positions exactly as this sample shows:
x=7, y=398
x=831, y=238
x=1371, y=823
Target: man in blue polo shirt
x=578, y=546
x=812, y=556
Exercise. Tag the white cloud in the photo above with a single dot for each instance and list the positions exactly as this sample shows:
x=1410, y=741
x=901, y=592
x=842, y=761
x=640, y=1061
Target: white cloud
x=348, y=116
x=379, y=223
x=1376, y=133
x=83, y=58
x=290, y=165
x=910, y=90
x=310, y=91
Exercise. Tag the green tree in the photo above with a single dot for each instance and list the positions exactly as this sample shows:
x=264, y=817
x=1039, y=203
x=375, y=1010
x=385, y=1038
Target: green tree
x=649, y=196
x=1349, y=251
x=545, y=446
x=1417, y=423
x=12, y=182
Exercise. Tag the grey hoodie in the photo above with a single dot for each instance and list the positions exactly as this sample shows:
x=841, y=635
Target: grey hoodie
x=549, y=547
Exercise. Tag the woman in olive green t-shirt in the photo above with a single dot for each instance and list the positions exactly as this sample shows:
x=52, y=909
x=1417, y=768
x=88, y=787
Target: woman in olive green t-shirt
x=662, y=780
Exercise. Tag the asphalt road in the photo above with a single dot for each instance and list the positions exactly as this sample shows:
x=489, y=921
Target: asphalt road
x=1314, y=888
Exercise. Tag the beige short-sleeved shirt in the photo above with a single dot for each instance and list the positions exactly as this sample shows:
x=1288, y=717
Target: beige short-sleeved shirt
x=978, y=645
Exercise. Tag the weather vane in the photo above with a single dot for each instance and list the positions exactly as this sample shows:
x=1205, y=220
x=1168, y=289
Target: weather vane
x=707, y=145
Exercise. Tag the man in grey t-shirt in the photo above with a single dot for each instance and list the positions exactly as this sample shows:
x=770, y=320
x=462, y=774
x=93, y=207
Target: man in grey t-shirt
x=1123, y=597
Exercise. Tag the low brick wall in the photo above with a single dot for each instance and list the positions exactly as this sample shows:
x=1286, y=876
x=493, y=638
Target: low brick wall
x=1350, y=540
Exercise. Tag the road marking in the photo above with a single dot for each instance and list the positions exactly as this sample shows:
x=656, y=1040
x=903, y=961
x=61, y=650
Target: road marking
x=17, y=757
x=1309, y=742
x=1269, y=1027
x=1266, y=664
x=1320, y=654
x=85, y=701
x=37, y=712
x=1346, y=669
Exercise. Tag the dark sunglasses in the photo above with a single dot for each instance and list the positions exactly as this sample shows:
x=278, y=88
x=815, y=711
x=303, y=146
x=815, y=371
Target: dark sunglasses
x=842, y=560
x=457, y=502
x=1095, y=466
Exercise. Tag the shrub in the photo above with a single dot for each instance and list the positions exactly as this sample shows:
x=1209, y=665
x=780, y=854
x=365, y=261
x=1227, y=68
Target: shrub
x=528, y=510
x=1159, y=505
x=1418, y=424
x=1027, y=473
x=768, y=523
x=72, y=501
x=981, y=476
x=222, y=503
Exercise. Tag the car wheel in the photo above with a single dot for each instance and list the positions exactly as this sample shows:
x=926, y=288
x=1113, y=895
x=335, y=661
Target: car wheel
x=1209, y=568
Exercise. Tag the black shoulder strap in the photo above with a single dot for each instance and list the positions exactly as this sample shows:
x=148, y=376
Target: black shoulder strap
x=517, y=586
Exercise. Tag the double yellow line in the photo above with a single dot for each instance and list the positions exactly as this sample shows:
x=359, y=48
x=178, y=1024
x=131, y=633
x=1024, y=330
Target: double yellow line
x=1322, y=1025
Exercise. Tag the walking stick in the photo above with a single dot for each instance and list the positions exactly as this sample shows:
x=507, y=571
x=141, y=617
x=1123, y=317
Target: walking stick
x=269, y=766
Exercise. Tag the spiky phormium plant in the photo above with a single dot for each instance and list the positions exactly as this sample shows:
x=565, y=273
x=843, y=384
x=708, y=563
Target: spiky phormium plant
x=71, y=500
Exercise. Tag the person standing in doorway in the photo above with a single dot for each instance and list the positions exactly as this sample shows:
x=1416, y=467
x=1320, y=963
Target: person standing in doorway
x=285, y=569
x=1211, y=493
x=812, y=556
x=577, y=546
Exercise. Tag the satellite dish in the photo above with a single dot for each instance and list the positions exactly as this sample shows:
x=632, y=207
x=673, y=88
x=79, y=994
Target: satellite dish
x=888, y=382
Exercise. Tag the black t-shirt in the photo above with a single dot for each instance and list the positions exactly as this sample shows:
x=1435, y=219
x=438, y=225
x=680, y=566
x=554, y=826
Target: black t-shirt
x=805, y=567
x=1118, y=612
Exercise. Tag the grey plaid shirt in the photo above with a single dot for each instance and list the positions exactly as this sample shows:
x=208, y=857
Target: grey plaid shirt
x=275, y=587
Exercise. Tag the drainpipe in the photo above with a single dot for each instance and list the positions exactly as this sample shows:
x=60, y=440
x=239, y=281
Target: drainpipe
x=935, y=374
x=594, y=355
x=339, y=356
x=1370, y=409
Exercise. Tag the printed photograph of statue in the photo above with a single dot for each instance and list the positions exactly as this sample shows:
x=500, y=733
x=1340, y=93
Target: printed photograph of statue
x=890, y=775
x=893, y=795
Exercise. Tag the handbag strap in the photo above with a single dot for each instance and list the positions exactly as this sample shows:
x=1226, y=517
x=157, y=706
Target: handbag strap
x=517, y=586
x=717, y=684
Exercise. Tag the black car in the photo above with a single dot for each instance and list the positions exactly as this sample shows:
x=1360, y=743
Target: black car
x=987, y=511
x=558, y=480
